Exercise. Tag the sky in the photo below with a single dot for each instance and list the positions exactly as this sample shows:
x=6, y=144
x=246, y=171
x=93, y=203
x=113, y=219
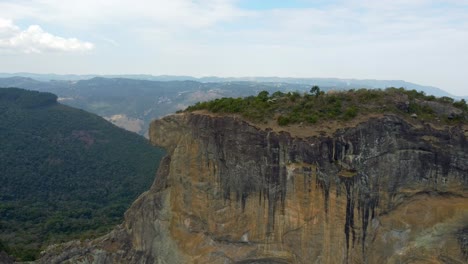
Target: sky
x=420, y=41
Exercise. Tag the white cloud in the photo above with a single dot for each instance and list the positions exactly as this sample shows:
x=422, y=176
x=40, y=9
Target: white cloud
x=89, y=13
x=35, y=40
x=423, y=41
x=6, y=28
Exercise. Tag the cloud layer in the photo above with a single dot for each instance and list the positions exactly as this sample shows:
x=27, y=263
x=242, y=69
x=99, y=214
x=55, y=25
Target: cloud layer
x=35, y=40
x=424, y=41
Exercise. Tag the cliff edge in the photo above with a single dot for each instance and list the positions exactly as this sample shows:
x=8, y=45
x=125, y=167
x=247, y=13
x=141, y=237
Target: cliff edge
x=383, y=191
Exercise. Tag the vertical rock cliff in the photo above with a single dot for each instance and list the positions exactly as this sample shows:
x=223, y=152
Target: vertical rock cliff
x=384, y=191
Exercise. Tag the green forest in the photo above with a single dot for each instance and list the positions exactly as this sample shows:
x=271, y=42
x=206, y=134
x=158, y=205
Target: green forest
x=316, y=105
x=64, y=173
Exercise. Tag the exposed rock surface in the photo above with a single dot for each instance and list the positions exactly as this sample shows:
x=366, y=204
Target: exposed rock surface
x=384, y=191
x=125, y=122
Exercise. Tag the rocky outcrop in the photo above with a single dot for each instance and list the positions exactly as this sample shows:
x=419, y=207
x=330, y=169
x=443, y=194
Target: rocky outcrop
x=384, y=191
x=441, y=109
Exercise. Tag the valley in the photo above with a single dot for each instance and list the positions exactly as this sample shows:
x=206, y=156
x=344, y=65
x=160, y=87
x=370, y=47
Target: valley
x=65, y=173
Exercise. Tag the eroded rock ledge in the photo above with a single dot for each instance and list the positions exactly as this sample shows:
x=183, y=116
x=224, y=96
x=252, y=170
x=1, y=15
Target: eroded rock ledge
x=384, y=191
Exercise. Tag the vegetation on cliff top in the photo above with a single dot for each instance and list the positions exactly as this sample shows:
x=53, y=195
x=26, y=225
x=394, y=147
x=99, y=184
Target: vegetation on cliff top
x=64, y=173
x=293, y=107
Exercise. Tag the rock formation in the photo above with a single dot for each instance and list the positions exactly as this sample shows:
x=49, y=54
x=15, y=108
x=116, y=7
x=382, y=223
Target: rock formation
x=384, y=191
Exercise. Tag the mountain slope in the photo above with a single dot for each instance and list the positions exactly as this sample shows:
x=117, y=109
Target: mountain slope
x=65, y=173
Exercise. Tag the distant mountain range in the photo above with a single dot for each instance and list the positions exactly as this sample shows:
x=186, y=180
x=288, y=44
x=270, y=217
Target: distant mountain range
x=132, y=101
x=328, y=82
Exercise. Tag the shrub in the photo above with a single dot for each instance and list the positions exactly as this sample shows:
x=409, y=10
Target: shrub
x=351, y=112
x=461, y=104
x=446, y=99
x=294, y=96
x=312, y=119
x=283, y=120
x=263, y=96
x=366, y=95
x=277, y=94
x=294, y=107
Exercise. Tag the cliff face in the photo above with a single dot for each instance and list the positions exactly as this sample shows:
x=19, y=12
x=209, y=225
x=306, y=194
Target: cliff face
x=384, y=191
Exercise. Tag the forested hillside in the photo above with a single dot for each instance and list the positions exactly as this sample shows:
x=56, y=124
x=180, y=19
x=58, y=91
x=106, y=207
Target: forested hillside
x=64, y=173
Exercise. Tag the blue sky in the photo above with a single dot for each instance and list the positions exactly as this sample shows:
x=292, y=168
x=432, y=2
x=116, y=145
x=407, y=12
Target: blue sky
x=421, y=41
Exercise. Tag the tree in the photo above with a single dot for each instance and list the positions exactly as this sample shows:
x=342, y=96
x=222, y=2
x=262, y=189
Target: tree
x=461, y=104
x=263, y=96
x=278, y=94
x=315, y=90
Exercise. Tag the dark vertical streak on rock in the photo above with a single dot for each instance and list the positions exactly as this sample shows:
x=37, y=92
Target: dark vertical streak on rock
x=368, y=201
x=462, y=237
x=283, y=190
x=349, y=222
x=307, y=171
x=322, y=182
